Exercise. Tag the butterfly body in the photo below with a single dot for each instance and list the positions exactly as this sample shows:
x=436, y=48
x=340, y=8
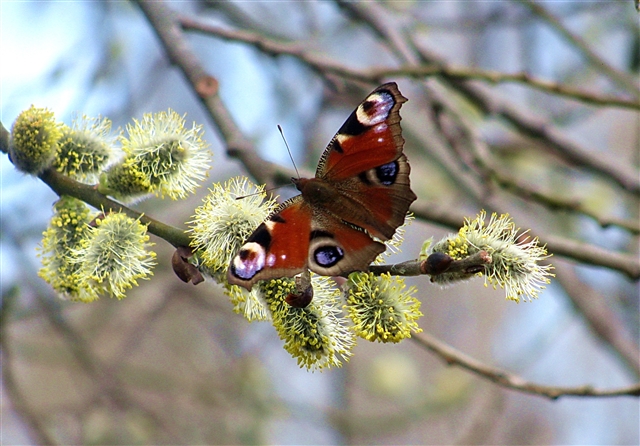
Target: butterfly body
x=361, y=190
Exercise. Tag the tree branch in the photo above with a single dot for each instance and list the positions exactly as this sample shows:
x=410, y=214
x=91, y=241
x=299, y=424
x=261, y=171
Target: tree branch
x=552, y=202
x=502, y=378
x=496, y=77
x=541, y=130
x=593, y=255
x=325, y=67
x=464, y=139
x=620, y=78
x=9, y=382
x=531, y=126
x=63, y=185
x=165, y=23
x=571, y=249
x=605, y=323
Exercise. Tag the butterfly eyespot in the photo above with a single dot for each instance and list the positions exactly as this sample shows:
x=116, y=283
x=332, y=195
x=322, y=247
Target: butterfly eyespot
x=327, y=256
x=387, y=173
x=249, y=261
x=375, y=109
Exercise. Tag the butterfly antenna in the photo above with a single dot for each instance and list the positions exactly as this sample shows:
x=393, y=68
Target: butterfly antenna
x=288, y=150
x=292, y=161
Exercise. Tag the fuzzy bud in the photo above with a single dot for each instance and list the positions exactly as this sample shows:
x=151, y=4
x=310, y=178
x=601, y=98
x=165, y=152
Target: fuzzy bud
x=34, y=140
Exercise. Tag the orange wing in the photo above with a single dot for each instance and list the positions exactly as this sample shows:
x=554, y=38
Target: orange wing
x=277, y=248
x=296, y=237
x=369, y=138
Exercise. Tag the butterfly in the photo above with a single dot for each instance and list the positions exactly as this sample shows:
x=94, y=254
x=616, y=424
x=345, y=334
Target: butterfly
x=361, y=191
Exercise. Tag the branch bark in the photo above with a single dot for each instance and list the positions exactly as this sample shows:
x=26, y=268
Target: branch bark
x=505, y=379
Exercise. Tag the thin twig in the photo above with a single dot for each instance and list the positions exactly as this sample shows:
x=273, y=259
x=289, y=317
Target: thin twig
x=107, y=384
x=9, y=382
x=453, y=356
x=159, y=15
x=63, y=185
x=467, y=141
x=552, y=202
x=538, y=129
x=496, y=77
x=620, y=78
x=376, y=17
x=164, y=23
x=560, y=246
x=325, y=66
x=531, y=126
x=603, y=321
x=593, y=255
x=319, y=63
x=583, y=252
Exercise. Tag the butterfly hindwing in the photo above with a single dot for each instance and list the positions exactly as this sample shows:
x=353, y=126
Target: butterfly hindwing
x=336, y=247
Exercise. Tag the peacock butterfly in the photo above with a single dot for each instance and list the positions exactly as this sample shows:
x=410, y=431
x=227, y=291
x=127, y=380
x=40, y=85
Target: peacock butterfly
x=361, y=190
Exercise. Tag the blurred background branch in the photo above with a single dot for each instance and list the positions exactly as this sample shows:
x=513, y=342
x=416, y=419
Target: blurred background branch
x=454, y=357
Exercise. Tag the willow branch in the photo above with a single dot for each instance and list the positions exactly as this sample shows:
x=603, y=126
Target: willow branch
x=571, y=249
x=4, y=139
x=9, y=382
x=589, y=254
x=325, y=66
x=455, y=357
x=602, y=320
x=63, y=185
x=470, y=265
x=496, y=77
x=165, y=24
x=620, y=78
x=583, y=252
x=539, y=129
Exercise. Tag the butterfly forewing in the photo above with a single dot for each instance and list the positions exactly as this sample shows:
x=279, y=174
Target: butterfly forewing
x=383, y=196
x=277, y=248
x=369, y=138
